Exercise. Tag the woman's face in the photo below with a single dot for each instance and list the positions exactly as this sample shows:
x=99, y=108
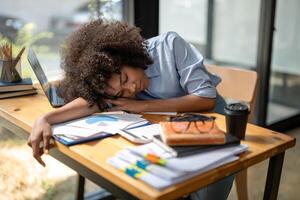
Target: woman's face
x=128, y=83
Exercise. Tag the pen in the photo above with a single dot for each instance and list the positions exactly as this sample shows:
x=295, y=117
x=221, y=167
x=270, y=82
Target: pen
x=130, y=126
x=133, y=137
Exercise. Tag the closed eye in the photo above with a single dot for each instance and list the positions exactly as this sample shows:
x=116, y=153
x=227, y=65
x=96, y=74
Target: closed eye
x=124, y=79
x=120, y=94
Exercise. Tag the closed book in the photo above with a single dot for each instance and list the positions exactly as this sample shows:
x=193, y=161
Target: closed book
x=24, y=84
x=180, y=151
x=17, y=93
x=185, y=133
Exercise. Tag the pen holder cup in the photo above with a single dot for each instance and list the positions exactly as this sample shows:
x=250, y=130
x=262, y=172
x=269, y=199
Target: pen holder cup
x=10, y=71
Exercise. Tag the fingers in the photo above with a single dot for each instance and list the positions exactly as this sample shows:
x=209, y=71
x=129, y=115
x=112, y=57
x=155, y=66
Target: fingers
x=117, y=105
x=39, y=159
x=46, y=140
x=123, y=104
x=114, y=108
x=37, y=151
x=29, y=141
x=116, y=102
x=36, y=143
x=39, y=139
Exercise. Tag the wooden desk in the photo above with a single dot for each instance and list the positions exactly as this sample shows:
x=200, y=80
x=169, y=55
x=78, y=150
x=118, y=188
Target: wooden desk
x=89, y=159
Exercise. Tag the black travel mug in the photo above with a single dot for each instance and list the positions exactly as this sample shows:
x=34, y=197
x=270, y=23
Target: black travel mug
x=236, y=119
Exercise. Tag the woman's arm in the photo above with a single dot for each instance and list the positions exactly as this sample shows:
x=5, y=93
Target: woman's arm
x=187, y=103
x=75, y=109
x=41, y=131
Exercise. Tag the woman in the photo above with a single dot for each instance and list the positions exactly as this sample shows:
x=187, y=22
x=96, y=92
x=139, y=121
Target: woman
x=110, y=63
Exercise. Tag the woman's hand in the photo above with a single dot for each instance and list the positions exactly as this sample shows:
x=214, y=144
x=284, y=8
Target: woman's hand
x=187, y=103
x=125, y=104
x=41, y=133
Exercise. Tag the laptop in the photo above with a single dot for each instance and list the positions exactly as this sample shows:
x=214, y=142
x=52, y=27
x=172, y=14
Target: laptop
x=49, y=89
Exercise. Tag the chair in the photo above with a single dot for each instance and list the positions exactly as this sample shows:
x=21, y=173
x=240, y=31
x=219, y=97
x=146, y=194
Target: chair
x=237, y=84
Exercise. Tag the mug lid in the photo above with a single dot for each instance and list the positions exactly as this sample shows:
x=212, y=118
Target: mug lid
x=237, y=107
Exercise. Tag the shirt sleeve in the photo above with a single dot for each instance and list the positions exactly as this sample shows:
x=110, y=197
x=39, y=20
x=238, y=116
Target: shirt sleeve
x=189, y=65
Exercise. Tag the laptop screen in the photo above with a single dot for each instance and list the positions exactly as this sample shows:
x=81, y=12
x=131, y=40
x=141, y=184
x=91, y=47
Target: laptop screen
x=40, y=74
x=37, y=69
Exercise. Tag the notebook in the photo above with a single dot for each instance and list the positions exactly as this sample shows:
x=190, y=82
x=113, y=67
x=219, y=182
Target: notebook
x=69, y=135
x=180, y=151
x=24, y=84
x=186, y=133
x=17, y=93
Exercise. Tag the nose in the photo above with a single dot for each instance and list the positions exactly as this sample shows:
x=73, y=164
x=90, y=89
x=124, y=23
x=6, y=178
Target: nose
x=131, y=88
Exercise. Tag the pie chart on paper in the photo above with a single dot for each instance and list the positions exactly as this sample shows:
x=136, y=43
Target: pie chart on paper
x=99, y=119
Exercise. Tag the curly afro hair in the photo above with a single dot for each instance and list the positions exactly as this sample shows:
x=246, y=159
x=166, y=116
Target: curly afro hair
x=94, y=52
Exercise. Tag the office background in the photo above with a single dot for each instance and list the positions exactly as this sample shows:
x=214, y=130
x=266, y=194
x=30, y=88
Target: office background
x=261, y=35
x=226, y=32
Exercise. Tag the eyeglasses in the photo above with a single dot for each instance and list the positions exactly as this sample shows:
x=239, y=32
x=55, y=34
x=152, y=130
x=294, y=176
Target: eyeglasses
x=190, y=122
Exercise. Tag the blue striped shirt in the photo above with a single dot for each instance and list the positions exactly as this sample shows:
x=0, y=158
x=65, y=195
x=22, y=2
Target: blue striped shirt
x=177, y=70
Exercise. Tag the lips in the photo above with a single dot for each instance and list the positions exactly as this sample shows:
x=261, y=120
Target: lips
x=140, y=85
x=141, y=88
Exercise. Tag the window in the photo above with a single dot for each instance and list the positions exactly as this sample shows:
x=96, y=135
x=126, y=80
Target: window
x=235, y=32
x=44, y=25
x=285, y=75
x=186, y=17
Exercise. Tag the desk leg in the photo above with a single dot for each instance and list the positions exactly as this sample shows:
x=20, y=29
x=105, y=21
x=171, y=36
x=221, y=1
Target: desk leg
x=273, y=177
x=80, y=187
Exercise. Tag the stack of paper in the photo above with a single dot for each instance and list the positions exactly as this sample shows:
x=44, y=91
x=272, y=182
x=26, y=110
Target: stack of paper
x=13, y=89
x=152, y=165
x=96, y=126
